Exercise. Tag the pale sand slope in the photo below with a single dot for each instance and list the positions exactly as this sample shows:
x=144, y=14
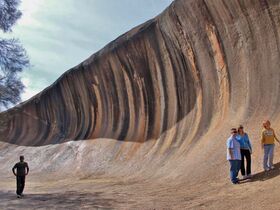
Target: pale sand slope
x=52, y=185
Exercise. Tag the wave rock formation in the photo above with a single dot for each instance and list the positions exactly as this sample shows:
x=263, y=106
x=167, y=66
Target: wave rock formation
x=165, y=90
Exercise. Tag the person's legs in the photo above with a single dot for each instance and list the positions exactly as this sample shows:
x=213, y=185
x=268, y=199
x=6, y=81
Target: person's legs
x=270, y=155
x=22, y=182
x=231, y=170
x=265, y=157
x=234, y=168
x=248, y=162
x=18, y=186
x=242, y=167
x=238, y=166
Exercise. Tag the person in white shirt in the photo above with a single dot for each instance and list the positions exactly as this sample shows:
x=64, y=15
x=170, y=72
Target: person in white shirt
x=233, y=156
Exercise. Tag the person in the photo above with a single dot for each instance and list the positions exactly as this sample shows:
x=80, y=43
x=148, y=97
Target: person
x=246, y=151
x=22, y=170
x=233, y=156
x=267, y=143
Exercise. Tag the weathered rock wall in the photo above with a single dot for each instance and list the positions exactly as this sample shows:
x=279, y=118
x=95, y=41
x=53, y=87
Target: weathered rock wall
x=172, y=79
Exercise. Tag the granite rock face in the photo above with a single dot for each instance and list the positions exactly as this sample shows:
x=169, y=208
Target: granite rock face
x=172, y=79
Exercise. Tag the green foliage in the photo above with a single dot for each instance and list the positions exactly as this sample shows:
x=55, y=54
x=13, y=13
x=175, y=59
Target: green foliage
x=13, y=57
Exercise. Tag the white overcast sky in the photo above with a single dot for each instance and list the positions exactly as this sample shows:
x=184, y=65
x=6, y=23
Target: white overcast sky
x=59, y=34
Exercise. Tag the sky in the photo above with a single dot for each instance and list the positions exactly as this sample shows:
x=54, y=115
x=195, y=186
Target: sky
x=59, y=34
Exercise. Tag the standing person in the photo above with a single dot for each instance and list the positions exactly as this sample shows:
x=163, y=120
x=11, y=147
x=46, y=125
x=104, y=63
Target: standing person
x=22, y=170
x=233, y=156
x=246, y=151
x=267, y=143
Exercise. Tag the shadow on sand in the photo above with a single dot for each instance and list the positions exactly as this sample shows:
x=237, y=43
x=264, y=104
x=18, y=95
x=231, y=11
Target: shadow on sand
x=265, y=175
x=67, y=200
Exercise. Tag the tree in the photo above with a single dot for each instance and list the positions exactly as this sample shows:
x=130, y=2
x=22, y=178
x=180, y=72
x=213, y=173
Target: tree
x=13, y=57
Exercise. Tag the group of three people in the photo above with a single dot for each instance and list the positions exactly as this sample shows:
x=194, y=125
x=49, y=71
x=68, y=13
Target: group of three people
x=239, y=148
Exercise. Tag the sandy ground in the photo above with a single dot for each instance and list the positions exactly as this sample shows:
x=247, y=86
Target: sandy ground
x=262, y=192
x=194, y=182
x=201, y=185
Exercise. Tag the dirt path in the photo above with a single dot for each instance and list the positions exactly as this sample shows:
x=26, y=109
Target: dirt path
x=262, y=192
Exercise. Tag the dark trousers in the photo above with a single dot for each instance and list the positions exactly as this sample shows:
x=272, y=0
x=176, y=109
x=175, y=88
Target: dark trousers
x=245, y=154
x=20, y=184
x=234, y=169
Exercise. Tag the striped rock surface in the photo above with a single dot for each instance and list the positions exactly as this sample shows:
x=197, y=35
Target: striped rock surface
x=168, y=90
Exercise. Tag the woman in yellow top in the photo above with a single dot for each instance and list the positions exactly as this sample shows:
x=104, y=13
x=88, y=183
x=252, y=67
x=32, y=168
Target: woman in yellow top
x=267, y=142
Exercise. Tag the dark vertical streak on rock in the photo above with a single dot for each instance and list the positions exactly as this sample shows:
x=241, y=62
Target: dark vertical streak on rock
x=156, y=45
x=125, y=109
x=210, y=19
x=115, y=99
x=248, y=20
x=186, y=82
x=265, y=5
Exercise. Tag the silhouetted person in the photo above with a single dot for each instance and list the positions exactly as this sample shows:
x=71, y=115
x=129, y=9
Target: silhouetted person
x=22, y=170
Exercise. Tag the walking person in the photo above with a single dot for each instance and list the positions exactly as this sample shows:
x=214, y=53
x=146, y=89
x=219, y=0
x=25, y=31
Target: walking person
x=246, y=151
x=22, y=170
x=233, y=156
x=267, y=143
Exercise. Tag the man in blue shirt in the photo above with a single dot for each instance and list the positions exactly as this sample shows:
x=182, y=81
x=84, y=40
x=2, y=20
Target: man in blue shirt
x=233, y=156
